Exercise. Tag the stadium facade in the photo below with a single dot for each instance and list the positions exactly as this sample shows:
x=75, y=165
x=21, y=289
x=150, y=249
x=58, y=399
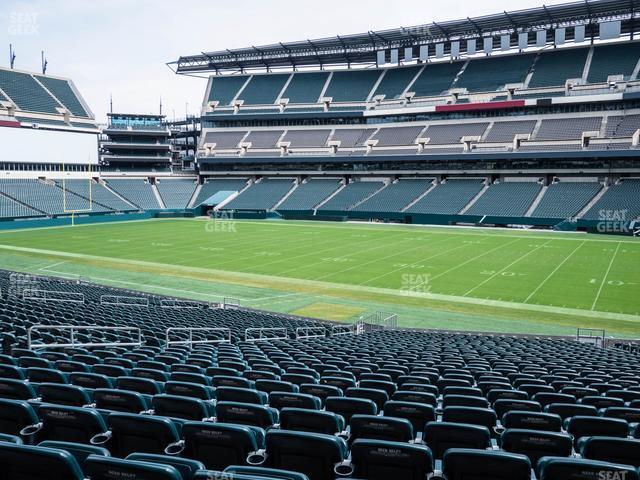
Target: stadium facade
x=527, y=118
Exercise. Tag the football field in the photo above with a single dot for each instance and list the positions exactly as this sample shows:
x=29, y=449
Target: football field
x=432, y=277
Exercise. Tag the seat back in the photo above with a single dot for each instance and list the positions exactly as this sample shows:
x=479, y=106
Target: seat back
x=535, y=444
x=347, y=407
x=186, y=467
x=177, y=406
x=69, y=424
x=106, y=468
x=547, y=422
x=16, y=415
x=462, y=464
x=611, y=449
x=303, y=420
x=246, y=414
x=380, y=428
x=312, y=454
x=553, y=468
x=441, y=436
x=20, y=462
x=140, y=433
x=218, y=445
x=382, y=460
x=418, y=414
x=580, y=426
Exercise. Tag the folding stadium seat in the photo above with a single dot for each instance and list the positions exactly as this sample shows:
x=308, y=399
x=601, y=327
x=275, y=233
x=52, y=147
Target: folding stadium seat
x=120, y=400
x=462, y=463
x=105, y=468
x=379, y=397
x=241, y=472
x=303, y=420
x=190, y=378
x=441, y=436
x=504, y=405
x=269, y=386
x=114, y=371
x=486, y=387
x=380, y=428
x=601, y=402
x=553, y=468
x=471, y=415
x=246, y=414
x=420, y=387
x=129, y=433
x=60, y=394
x=418, y=414
x=218, y=445
x=341, y=383
x=186, y=408
x=312, y=454
x=579, y=392
x=625, y=451
x=388, y=387
x=566, y=410
x=151, y=374
x=186, y=467
x=16, y=389
x=194, y=390
x=12, y=372
x=546, y=422
x=297, y=400
x=466, y=391
x=66, y=424
x=46, y=375
x=34, y=362
x=464, y=401
x=545, y=398
x=416, y=397
x=28, y=462
x=347, y=407
x=15, y=415
x=232, y=381
x=626, y=395
x=80, y=451
x=243, y=395
x=630, y=415
x=141, y=385
x=90, y=380
x=70, y=366
x=255, y=375
x=581, y=426
x=321, y=391
x=502, y=394
x=381, y=460
x=536, y=444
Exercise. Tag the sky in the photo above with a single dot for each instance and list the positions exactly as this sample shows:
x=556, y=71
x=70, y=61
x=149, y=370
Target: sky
x=120, y=48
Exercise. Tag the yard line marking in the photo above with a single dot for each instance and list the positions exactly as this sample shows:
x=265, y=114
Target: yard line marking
x=473, y=259
x=554, y=271
x=604, y=279
x=421, y=260
x=508, y=266
x=47, y=267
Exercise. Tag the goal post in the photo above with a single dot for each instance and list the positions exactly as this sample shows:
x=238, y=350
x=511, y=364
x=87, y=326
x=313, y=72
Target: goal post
x=66, y=207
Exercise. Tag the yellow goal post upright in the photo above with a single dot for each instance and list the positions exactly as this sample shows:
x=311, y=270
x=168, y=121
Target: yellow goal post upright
x=73, y=211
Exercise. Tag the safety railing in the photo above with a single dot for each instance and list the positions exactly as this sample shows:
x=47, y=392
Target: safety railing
x=124, y=301
x=308, y=332
x=171, y=303
x=73, y=329
x=225, y=331
x=273, y=333
x=344, y=330
x=228, y=302
x=593, y=336
x=52, y=296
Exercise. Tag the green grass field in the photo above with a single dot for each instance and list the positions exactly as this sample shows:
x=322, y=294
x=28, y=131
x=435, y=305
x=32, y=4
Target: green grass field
x=446, y=278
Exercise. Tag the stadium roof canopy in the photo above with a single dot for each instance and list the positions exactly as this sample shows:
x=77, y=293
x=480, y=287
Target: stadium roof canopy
x=362, y=49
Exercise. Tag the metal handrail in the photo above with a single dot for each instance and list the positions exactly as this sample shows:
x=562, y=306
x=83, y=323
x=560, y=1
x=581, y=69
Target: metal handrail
x=343, y=330
x=74, y=328
x=106, y=300
x=172, y=303
x=265, y=329
x=300, y=336
x=32, y=294
x=191, y=341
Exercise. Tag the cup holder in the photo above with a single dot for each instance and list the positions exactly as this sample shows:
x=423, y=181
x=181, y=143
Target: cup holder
x=343, y=469
x=498, y=429
x=256, y=458
x=101, y=438
x=175, y=448
x=31, y=430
